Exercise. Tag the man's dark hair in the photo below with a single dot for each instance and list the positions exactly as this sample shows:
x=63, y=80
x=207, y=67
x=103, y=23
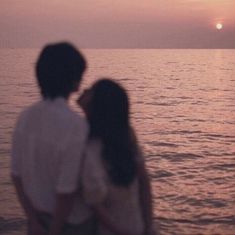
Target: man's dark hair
x=59, y=70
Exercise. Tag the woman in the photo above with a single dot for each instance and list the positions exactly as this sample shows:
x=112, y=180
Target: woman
x=115, y=182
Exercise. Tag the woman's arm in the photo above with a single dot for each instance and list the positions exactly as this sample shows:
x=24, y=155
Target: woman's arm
x=145, y=191
x=105, y=219
x=145, y=197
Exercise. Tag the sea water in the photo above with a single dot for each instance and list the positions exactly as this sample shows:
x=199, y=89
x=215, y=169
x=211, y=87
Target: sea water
x=183, y=110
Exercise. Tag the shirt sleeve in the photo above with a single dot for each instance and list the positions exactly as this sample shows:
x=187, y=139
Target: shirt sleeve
x=71, y=160
x=17, y=150
x=94, y=183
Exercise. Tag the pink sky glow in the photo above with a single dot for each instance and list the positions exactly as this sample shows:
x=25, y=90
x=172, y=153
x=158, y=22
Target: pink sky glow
x=118, y=23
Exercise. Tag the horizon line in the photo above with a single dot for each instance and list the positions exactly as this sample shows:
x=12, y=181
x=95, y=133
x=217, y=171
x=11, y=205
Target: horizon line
x=132, y=48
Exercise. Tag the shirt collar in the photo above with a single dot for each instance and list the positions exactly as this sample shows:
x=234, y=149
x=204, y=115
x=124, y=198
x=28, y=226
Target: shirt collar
x=59, y=101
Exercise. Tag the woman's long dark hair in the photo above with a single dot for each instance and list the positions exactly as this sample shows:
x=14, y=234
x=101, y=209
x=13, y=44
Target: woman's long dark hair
x=109, y=121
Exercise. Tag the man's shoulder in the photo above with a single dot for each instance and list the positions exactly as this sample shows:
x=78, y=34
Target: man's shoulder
x=25, y=113
x=69, y=120
x=78, y=123
x=74, y=131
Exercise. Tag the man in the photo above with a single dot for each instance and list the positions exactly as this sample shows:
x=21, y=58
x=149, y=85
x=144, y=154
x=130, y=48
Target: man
x=48, y=144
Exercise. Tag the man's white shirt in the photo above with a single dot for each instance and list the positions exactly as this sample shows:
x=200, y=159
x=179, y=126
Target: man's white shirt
x=47, y=154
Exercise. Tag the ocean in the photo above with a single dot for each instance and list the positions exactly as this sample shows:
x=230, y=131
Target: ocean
x=183, y=110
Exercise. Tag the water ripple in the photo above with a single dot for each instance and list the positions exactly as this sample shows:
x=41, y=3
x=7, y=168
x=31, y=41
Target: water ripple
x=179, y=157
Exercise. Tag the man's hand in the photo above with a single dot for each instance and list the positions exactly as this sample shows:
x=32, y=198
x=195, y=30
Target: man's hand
x=35, y=228
x=64, y=204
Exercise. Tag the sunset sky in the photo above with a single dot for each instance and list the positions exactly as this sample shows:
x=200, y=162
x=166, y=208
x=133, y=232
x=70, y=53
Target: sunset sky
x=118, y=23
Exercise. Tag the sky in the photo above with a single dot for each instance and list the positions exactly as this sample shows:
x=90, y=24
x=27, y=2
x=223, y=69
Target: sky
x=118, y=23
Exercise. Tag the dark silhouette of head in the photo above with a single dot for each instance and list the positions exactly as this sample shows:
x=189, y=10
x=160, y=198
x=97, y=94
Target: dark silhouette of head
x=59, y=70
x=109, y=121
x=109, y=106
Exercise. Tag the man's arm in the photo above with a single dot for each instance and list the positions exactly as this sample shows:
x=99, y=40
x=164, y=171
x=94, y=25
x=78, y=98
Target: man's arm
x=34, y=225
x=24, y=201
x=64, y=203
x=68, y=180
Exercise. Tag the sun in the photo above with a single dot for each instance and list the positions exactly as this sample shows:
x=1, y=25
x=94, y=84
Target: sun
x=219, y=26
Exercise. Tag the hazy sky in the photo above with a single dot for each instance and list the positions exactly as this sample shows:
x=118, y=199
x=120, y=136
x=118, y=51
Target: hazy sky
x=118, y=23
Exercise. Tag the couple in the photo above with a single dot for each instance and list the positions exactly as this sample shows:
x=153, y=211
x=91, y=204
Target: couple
x=74, y=175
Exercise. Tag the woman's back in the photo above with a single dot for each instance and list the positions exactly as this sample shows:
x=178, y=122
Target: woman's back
x=122, y=203
x=113, y=168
